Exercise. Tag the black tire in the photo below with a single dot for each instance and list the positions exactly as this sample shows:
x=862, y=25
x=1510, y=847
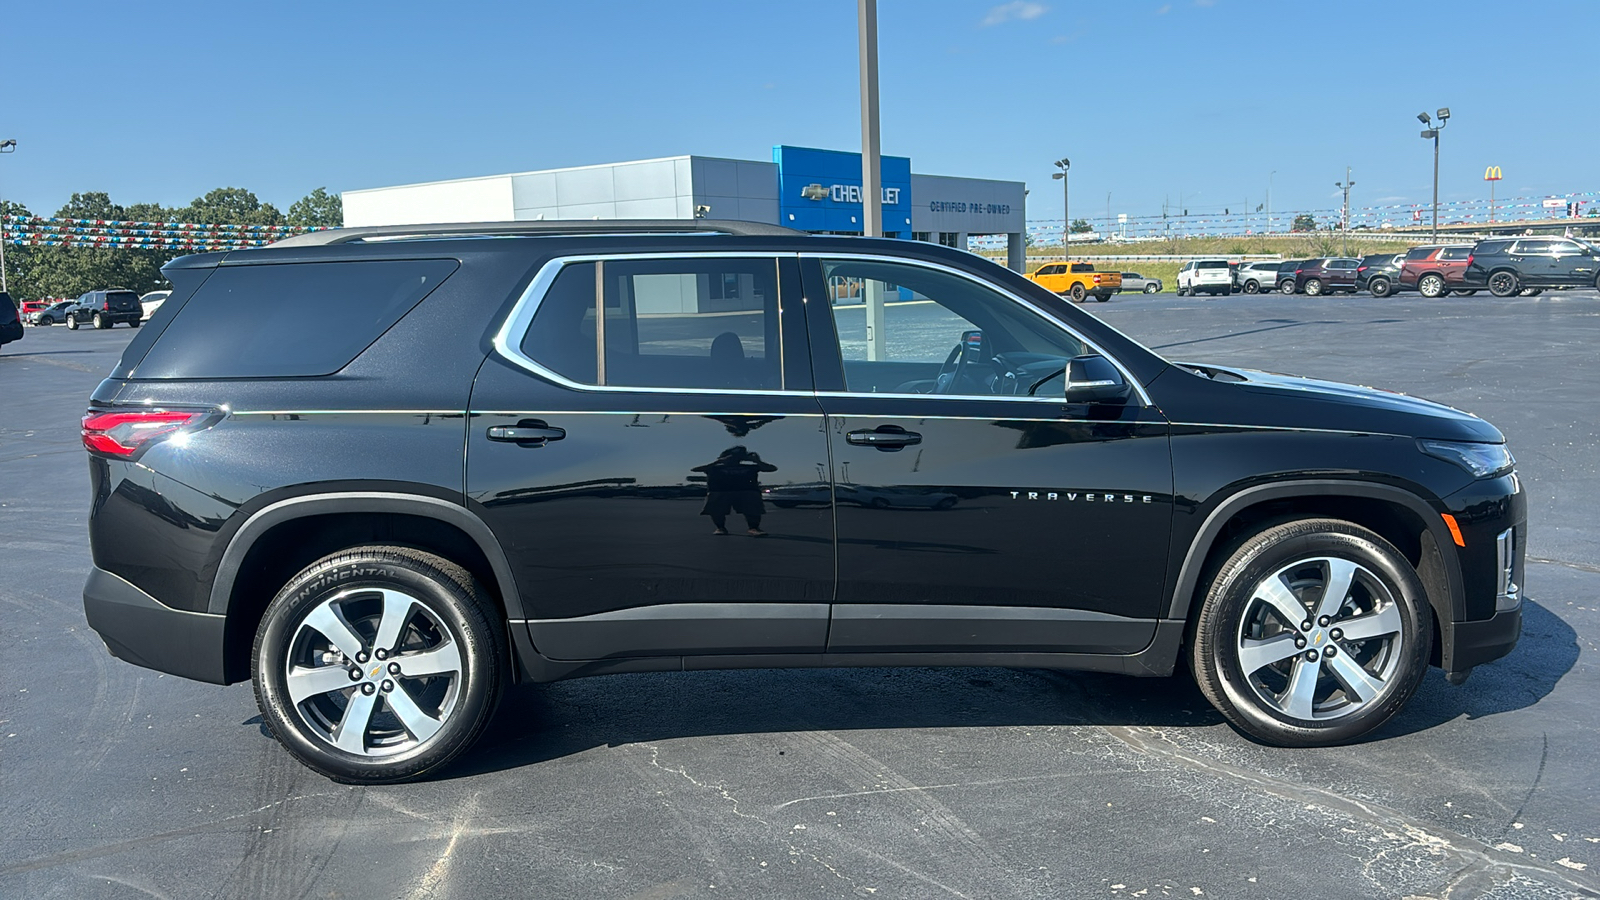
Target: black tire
x=1503, y=284
x=1286, y=286
x=1151, y=289
x=1252, y=287
x=1180, y=290
x=1464, y=293
x=101, y=322
x=72, y=323
x=448, y=611
x=1101, y=298
x=1432, y=286
x=135, y=323
x=1530, y=292
x=1313, y=287
x=1078, y=293
x=1383, y=593
x=45, y=320
x=1380, y=287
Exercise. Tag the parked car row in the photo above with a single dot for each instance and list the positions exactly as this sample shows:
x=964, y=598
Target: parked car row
x=102, y=309
x=1505, y=267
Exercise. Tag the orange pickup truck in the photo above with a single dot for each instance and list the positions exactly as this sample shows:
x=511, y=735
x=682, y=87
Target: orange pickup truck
x=1077, y=280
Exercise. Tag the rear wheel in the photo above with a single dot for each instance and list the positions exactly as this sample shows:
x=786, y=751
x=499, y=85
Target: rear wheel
x=101, y=322
x=1503, y=284
x=1431, y=286
x=1464, y=293
x=1286, y=286
x=377, y=664
x=45, y=320
x=134, y=323
x=1380, y=287
x=1313, y=287
x=1313, y=632
x=1529, y=292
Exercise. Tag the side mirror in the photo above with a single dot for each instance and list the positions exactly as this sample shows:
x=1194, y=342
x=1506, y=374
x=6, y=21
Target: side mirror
x=1093, y=379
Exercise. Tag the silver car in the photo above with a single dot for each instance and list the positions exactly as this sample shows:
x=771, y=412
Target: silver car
x=1257, y=277
x=1133, y=281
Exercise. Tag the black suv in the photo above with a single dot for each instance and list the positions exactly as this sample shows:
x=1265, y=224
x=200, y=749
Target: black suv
x=1286, y=270
x=1507, y=266
x=10, y=320
x=1379, y=273
x=384, y=473
x=104, y=309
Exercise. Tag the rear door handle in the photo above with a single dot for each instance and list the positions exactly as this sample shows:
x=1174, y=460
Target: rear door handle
x=526, y=434
x=884, y=437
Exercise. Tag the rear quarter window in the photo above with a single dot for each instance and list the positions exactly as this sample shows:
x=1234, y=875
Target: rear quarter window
x=288, y=320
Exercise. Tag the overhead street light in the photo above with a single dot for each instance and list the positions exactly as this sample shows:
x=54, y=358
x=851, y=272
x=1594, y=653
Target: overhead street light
x=9, y=145
x=1346, y=185
x=1066, y=235
x=1432, y=132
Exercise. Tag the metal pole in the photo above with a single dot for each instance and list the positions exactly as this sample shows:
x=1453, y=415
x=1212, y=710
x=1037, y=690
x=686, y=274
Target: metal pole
x=6, y=146
x=872, y=292
x=1066, y=236
x=1269, y=199
x=871, y=175
x=1436, y=182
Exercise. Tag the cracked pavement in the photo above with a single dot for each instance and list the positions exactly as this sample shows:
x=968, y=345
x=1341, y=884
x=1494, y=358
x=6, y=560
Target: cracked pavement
x=976, y=783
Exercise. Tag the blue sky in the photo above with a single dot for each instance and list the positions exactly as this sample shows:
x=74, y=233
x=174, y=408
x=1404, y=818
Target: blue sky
x=1149, y=98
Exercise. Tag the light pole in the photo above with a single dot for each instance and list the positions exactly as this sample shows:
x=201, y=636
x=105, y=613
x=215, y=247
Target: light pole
x=1432, y=131
x=1066, y=235
x=1346, y=185
x=1269, y=199
x=9, y=145
x=871, y=190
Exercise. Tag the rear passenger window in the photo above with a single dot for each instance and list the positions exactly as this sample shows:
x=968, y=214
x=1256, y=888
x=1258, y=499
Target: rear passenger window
x=297, y=319
x=669, y=323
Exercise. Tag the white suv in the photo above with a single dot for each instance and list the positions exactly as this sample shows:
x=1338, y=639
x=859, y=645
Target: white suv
x=1208, y=276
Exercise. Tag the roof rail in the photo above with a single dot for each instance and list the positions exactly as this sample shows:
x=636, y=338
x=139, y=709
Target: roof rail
x=536, y=228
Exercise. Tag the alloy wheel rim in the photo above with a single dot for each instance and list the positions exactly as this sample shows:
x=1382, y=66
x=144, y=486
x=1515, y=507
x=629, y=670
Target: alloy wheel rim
x=1320, y=639
x=373, y=672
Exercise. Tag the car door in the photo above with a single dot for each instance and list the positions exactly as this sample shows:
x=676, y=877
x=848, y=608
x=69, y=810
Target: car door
x=976, y=510
x=1572, y=264
x=1344, y=273
x=1052, y=277
x=626, y=438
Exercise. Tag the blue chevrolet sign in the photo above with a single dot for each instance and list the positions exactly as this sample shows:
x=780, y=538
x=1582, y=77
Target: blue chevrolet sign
x=820, y=190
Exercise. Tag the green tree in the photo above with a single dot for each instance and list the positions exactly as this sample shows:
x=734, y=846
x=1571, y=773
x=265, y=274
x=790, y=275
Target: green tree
x=1081, y=226
x=230, y=206
x=318, y=209
x=1304, y=222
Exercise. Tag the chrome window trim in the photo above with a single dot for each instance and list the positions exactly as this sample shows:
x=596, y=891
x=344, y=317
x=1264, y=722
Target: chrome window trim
x=1144, y=396
x=508, y=340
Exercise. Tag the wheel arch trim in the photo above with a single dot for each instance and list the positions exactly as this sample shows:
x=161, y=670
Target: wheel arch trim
x=380, y=502
x=1181, y=601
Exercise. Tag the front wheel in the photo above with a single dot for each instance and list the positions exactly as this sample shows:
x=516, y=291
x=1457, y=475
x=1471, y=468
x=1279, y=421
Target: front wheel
x=1503, y=284
x=1464, y=293
x=1286, y=287
x=1251, y=287
x=72, y=323
x=377, y=664
x=1150, y=289
x=1078, y=293
x=1313, y=632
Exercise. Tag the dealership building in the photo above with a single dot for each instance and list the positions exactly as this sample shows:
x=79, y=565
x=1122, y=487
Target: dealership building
x=807, y=189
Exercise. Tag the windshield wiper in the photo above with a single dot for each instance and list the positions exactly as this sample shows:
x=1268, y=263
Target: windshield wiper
x=1040, y=383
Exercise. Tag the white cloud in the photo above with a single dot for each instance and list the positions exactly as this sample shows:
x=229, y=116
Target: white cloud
x=1163, y=9
x=1018, y=9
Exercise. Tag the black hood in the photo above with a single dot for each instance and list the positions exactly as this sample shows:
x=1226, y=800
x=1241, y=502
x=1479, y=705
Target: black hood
x=1249, y=397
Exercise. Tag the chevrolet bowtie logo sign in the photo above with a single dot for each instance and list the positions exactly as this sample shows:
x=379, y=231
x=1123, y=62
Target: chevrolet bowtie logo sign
x=814, y=192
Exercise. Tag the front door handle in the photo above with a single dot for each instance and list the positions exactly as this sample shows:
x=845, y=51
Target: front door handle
x=526, y=434
x=884, y=437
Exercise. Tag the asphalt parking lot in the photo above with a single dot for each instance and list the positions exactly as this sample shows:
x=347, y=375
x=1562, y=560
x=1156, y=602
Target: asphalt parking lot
x=978, y=783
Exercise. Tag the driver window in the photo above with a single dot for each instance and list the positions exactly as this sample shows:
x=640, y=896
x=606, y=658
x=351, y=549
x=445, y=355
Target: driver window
x=905, y=329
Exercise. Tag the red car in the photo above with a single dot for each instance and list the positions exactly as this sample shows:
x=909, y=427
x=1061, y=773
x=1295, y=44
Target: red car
x=1436, y=271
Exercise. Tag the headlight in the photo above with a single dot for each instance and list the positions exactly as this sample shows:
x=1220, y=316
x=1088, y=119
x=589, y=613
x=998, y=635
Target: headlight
x=1481, y=460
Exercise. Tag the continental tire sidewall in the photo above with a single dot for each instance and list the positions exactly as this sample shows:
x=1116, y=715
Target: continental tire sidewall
x=451, y=601
x=1215, y=653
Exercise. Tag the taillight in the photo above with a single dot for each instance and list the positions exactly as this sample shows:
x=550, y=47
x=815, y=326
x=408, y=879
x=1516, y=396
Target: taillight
x=125, y=433
x=1097, y=279
x=1361, y=268
x=1469, y=260
x=1297, y=271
